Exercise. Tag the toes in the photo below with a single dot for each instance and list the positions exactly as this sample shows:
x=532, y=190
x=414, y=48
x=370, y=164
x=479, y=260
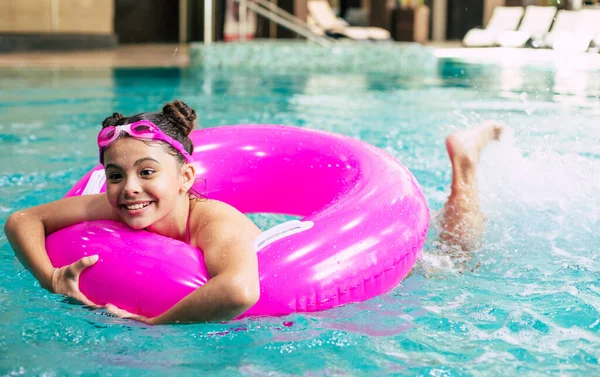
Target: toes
x=497, y=131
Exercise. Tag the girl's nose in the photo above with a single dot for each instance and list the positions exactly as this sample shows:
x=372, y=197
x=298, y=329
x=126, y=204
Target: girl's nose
x=131, y=189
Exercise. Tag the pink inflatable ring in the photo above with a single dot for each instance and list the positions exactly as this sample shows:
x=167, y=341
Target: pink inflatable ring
x=364, y=223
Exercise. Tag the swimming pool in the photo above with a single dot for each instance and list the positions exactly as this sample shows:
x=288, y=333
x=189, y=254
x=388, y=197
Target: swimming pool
x=528, y=301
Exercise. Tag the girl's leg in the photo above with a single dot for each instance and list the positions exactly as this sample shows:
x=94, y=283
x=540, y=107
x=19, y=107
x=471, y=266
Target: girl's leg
x=462, y=222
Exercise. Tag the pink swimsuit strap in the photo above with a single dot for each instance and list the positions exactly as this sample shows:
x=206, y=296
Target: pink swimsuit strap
x=187, y=226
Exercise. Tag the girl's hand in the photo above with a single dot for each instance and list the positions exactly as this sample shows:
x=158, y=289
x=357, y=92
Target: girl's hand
x=126, y=315
x=65, y=280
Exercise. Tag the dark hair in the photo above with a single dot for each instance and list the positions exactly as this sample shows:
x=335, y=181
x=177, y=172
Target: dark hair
x=176, y=120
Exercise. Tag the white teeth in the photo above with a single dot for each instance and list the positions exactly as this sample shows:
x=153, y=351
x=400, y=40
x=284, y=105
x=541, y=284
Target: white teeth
x=137, y=206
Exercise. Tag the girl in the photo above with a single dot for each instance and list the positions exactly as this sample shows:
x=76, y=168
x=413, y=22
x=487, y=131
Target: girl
x=149, y=176
x=147, y=160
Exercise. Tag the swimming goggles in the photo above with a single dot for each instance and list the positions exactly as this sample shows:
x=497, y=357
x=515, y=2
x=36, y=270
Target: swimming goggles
x=142, y=129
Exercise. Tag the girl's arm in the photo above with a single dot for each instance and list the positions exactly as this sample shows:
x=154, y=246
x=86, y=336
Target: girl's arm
x=227, y=241
x=26, y=231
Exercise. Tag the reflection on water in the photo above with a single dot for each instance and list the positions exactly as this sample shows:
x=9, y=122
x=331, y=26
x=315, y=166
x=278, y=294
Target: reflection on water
x=567, y=86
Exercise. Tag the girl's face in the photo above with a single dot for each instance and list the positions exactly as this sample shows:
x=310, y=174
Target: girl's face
x=144, y=183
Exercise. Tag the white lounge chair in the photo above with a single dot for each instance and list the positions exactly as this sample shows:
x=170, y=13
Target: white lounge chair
x=535, y=24
x=503, y=19
x=323, y=17
x=579, y=40
x=596, y=42
x=565, y=21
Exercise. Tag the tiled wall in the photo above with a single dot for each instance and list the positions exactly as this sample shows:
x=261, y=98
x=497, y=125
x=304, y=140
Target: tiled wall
x=57, y=16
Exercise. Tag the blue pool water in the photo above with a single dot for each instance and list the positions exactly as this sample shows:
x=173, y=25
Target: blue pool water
x=526, y=303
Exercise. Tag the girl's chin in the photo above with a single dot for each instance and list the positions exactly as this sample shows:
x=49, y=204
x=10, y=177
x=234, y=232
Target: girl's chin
x=135, y=223
x=137, y=226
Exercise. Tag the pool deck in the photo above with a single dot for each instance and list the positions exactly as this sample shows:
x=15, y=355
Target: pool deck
x=518, y=56
x=142, y=55
x=173, y=55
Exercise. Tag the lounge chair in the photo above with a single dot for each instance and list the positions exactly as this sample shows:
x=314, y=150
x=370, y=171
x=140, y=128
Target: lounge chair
x=565, y=21
x=535, y=25
x=503, y=19
x=323, y=17
x=579, y=40
x=596, y=42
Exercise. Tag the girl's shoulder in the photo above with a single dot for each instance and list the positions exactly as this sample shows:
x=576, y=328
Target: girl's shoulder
x=210, y=216
x=213, y=210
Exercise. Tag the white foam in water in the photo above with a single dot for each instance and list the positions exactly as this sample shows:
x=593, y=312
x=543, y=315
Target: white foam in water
x=437, y=263
x=541, y=191
x=564, y=184
x=542, y=204
x=588, y=263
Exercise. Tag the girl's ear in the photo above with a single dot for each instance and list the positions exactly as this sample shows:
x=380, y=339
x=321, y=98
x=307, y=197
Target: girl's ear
x=188, y=177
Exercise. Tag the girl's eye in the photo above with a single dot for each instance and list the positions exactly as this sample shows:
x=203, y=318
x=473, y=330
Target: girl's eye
x=114, y=177
x=146, y=172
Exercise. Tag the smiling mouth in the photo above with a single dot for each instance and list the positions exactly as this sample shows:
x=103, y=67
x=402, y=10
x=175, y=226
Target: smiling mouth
x=133, y=207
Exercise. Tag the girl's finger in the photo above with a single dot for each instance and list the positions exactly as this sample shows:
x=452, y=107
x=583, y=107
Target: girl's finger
x=118, y=312
x=85, y=262
x=124, y=313
x=84, y=300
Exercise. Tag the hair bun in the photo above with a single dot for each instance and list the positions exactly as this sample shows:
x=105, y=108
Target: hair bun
x=181, y=115
x=112, y=120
